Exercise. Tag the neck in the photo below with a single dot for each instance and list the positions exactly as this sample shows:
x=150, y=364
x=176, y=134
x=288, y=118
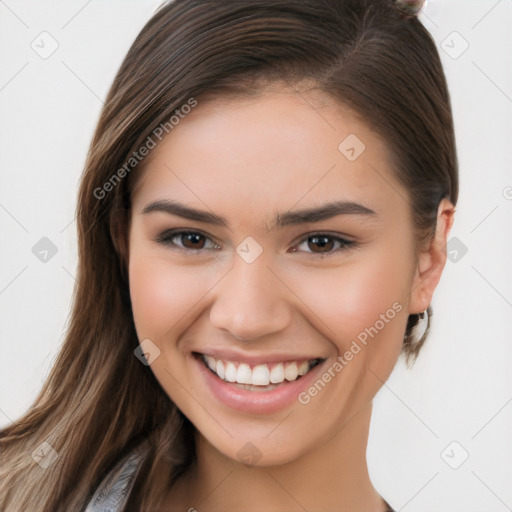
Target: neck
x=334, y=476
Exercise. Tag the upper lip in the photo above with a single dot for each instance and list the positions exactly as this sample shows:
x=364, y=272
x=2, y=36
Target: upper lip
x=255, y=359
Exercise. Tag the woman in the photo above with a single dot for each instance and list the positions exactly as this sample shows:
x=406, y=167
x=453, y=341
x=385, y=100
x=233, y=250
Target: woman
x=262, y=224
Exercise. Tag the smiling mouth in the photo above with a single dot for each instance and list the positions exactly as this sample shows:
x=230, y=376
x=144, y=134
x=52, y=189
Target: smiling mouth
x=260, y=377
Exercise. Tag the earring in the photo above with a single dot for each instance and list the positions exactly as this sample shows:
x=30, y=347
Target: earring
x=422, y=325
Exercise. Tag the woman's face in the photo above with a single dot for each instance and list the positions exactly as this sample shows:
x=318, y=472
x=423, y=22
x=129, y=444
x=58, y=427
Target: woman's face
x=269, y=235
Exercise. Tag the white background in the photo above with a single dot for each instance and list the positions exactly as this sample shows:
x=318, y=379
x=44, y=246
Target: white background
x=460, y=390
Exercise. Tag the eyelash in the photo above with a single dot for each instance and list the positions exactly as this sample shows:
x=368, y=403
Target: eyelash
x=166, y=237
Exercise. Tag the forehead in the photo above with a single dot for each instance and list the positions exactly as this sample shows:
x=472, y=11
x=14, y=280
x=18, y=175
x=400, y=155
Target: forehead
x=269, y=153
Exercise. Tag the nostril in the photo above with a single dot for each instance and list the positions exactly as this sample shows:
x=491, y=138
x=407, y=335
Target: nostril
x=240, y=338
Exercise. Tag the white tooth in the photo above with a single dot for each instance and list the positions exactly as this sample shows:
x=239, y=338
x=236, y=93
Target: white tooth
x=220, y=369
x=303, y=367
x=244, y=374
x=277, y=374
x=230, y=370
x=291, y=371
x=210, y=361
x=260, y=375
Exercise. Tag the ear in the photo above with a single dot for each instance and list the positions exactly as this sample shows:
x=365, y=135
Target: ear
x=431, y=260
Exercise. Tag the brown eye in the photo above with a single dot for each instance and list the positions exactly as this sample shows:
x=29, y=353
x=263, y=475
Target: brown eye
x=324, y=243
x=192, y=241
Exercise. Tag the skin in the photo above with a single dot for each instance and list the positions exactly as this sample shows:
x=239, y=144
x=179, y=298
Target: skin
x=246, y=160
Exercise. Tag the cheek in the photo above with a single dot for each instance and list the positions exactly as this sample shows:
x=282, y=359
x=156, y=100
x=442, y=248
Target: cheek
x=362, y=301
x=359, y=307
x=162, y=295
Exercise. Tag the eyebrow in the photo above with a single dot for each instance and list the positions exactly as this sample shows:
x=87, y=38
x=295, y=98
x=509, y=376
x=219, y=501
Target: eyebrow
x=315, y=214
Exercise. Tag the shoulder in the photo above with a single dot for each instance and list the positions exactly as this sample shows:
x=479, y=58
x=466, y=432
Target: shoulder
x=114, y=490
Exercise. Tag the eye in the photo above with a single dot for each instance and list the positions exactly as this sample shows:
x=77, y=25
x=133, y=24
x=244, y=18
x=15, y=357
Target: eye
x=186, y=240
x=324, y=243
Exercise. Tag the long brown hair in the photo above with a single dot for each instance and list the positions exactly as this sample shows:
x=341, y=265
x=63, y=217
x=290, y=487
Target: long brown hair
x=99, y=401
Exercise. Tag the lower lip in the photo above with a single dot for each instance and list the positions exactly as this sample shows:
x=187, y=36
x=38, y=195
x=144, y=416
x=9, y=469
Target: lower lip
x=258, y=402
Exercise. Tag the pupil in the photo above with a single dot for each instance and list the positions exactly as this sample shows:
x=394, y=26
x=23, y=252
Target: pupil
x=323, y=242
x=194, y=238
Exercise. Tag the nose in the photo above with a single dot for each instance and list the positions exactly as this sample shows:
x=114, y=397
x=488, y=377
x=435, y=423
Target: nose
x=251, y=302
